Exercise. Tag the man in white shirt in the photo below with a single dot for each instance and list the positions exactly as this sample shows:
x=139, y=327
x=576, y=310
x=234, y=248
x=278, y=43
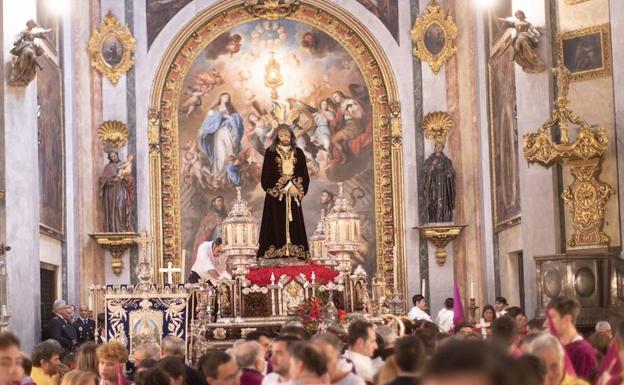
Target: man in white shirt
x=444, y=320
x=417, y=313
x=362, y=342
x=208, y=266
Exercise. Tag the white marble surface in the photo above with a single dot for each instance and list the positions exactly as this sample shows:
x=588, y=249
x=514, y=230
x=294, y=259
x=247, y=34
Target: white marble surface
x=22, y=184
x=538, y=191
x=617, y=50
x=487, y=237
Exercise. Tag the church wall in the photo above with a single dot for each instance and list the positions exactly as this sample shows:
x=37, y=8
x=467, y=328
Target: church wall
x=51, y=253
x=616, y=9
x=593, y=100
x=85, y=115
x=463, y=144
x=22, y=187
x=509, y=244
x=538, y=191
x=147, y=63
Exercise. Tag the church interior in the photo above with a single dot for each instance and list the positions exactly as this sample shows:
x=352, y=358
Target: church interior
x=206, y=169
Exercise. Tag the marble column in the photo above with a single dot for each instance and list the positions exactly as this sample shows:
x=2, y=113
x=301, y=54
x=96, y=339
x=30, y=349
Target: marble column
x=22, y=187
x=486, y=217
x=539, y=196
x=463, y=146
x=616, y=10
x=85, y=116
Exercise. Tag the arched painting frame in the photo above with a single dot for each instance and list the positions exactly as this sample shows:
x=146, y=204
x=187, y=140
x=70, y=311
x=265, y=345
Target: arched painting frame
x=367, y=54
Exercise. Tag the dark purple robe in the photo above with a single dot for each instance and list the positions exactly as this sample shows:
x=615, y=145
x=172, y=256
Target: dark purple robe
x=250, y=377
x=582, y=356
x=272, y=229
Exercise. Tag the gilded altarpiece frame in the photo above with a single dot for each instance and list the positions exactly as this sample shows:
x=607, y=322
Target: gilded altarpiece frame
x=367, y=54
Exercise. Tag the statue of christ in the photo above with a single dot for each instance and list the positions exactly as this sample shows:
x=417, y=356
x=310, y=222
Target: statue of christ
x=285, y=179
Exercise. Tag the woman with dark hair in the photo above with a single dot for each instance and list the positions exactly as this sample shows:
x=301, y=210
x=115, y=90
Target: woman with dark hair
x=219, y=139
x=488, y=315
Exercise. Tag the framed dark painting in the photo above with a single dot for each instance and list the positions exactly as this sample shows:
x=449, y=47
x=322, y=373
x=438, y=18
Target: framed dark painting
x=387, y=11
x=504, y=153
x=586, y=52
x=51, y=138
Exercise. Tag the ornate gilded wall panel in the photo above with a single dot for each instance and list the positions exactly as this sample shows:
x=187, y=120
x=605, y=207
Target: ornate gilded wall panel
x=213, y=67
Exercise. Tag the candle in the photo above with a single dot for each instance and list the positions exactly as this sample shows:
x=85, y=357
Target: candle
x=472, y=289
x=423, y=288
x=4, y=312
x=90, y=302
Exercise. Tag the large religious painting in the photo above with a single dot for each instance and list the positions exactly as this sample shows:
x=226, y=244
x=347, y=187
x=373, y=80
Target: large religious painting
x=51, y=142
x=159, y=12
x=210, y=126
x=224, y=127
x=387, y=11
x=504, y=138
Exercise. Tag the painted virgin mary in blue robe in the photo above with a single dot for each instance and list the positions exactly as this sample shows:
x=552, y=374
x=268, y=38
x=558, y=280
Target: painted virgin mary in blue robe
x=219, y=138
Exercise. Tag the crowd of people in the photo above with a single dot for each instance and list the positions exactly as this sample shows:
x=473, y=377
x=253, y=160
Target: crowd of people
x=511, y=351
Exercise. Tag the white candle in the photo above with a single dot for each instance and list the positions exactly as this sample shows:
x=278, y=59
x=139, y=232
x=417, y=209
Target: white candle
x=4, y=312
x=90, y=302
x=423, y=288
x=472, y=289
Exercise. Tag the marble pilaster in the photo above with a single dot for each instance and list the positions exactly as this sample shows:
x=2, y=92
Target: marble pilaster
x=539, y=195
x=22, y=187
x=616, y=9
x=463, y=146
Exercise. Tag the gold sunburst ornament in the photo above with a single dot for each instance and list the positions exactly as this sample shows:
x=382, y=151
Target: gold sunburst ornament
x=111, y=48
x=113, y=134
x=433, y=35
x=437, y=125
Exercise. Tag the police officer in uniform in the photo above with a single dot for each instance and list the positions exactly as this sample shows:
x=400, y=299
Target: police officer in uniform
x=85, y=326
x=59, y=327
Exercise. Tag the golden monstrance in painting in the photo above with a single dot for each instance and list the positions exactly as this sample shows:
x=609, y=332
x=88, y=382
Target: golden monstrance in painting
x=228, y=94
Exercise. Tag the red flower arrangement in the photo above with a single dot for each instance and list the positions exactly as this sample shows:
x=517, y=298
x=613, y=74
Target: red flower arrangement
x=317, y=315
x=262, y=276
